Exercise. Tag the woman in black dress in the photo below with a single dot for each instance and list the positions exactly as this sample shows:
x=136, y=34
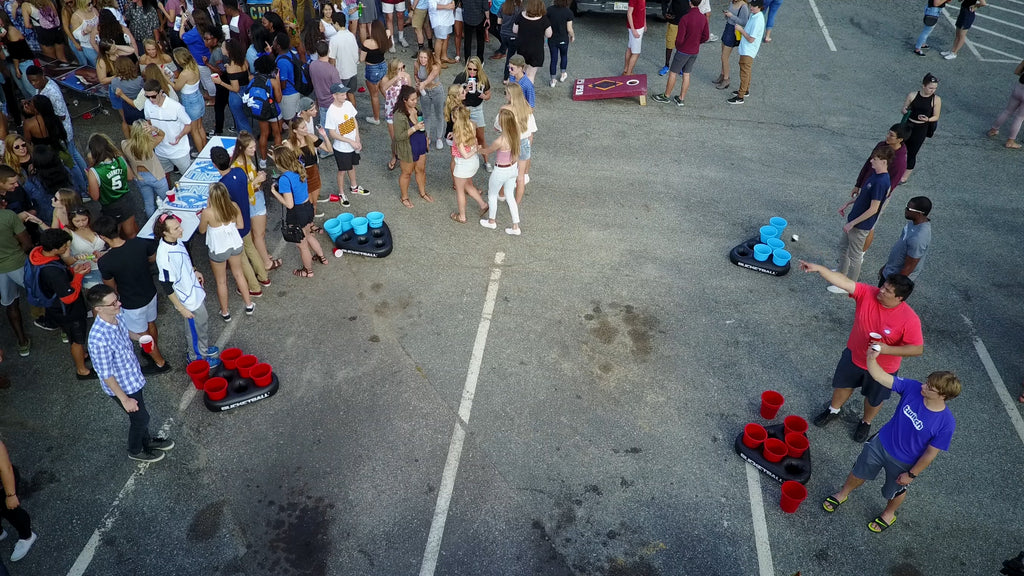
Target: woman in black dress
x=532, y=27
x=922, y=110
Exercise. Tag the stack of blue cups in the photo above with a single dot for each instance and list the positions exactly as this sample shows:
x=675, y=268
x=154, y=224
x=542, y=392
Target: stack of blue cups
x=772, y=243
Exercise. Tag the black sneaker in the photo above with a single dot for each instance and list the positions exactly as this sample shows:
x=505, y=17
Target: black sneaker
x=44, y=324
x=862, y=432
x=735, y=100
x=153, y=368
x=679, y=101
x=161, y=444
x=821, y=420
x=660, y=98
x=737, y=93
x=147, y=456
x=90, y=376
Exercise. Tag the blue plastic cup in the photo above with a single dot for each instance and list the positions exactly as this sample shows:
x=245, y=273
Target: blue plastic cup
x=376, y=219
x=333, y=228
x=346, y=221
x=780, y=257
x=768, y=232
x=360, y=225
x=779, y=224
x=762, y=252
x=775, y=243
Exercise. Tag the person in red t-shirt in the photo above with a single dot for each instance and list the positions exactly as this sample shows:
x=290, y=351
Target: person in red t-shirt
x=883, y=318
x=636, y=20
x=692, y=32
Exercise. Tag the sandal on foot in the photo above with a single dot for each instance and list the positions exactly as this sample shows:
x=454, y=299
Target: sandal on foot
x=880, y=525
x=426, y=197
x=831, y=504
x=484, y=211
x=455, y=216
x=316, y=229
x=391, y=164
x=1012, y=145
x=303, y=273
x=274, y=264
x=321, y=259
x=406, y=203
x=993, y=133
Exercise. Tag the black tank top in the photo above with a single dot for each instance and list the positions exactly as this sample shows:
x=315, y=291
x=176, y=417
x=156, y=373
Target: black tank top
x=373, y=55
x=921, y=105
x=242, y=77
x=19, y=50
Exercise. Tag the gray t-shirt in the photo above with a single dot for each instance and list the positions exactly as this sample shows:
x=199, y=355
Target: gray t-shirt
x=913, y=242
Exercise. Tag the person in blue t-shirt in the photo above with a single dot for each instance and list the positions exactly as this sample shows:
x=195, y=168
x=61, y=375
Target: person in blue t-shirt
x=864, y=214
x=908, y=443
x=286, y=72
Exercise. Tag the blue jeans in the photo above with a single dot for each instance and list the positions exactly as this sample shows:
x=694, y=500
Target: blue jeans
x=772, y=8
x=26, y=88
x=79, y=53
x=239, y=112
x=138, y=424
x=923, y=37
x=78, y=171
x=150, y=187
x=560, y=49
x=90, y=55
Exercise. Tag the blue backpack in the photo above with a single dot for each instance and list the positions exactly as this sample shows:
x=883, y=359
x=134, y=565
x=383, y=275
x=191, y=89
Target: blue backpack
x=36, y=297
x=259, y=97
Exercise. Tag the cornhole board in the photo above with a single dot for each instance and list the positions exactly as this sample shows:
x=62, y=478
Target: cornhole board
x=611, y=87
x=241, y=391
x=743, y=256
x=797, y=469
x=376, y=243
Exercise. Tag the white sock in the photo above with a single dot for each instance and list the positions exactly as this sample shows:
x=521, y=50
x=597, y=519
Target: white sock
x=833, y=410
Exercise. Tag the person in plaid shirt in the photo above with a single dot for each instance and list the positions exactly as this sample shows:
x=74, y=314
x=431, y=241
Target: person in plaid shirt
x=113, y=358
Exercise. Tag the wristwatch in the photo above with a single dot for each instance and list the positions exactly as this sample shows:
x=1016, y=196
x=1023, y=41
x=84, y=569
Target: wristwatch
x=911, y=474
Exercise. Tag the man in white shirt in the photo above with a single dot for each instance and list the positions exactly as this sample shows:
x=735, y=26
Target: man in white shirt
x=169, y=116
x=343, y=52
x=442, y=19
x=750, y=43
x=343, y=130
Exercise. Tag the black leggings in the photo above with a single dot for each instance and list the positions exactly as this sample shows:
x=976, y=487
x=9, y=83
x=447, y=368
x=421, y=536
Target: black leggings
x=18, y=518
x=220, y=102
x=469, y=31
x=918, y=134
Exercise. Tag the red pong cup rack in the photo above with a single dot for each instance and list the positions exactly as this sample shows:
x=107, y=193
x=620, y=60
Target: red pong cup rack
x=240, y=379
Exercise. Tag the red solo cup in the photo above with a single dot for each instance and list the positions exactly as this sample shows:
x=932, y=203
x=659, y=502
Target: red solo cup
x=261, y=374
x=198, y=371
x=216, y=388
x=230, y=357
x=795, y=424
x=796, y=444
x=771, y=401
x=754, y=435
x=775, y=450
x=170, y=196
x=793, y=493
x=245, y=363
x=147, y=343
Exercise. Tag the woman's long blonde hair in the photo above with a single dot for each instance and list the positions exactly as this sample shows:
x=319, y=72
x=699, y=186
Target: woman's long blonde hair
x=183, y=58
x=154, y=72
x=294, y=139
x=224, y=210
x=452, y=101
x=463, y=130
x=286, y=160
x=140, y=143
x=393, y=65
x=241, y=145
x=481, y=76
x=509, y=130
x=520, y=107
x=10, y=158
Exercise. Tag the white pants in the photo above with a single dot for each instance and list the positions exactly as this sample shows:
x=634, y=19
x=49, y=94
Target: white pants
x=503, y=177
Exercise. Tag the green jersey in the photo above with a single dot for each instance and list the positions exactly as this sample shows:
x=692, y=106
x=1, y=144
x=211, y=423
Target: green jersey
x=113, y=179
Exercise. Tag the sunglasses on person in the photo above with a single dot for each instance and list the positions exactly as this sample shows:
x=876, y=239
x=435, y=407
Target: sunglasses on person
x=909, y=209
x=81, y=212
x=153, y=96
x=20, y=146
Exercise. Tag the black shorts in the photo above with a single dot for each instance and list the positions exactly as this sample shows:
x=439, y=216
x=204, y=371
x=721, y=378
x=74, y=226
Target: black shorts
x=849, y=375
x=73, y=326
x=346, y=160
x=49, y=36
x=300, y=215
x=729, y=36
x=965, y=19
x=121, y=209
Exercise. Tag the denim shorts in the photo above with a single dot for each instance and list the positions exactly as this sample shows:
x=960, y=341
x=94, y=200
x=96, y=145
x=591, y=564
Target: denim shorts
x=194, y=105
x=873, y=457
x=260, y=208
x=476, y=114
x=524, y=149
x=374, y=73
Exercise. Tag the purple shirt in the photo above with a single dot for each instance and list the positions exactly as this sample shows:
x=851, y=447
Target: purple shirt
x=323, y=75
x=896, y=168
x=914, y=427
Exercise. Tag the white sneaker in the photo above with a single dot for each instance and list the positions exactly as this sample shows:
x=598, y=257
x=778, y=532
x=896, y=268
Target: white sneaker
x=836, y=289
x=713, y=38
x=401, y=38
x=526, y=179
x=22, y=547
x=553, y=82
x=563, y=76
x=372, y=120
x=489, y=167
x=950, y=56
x=439, y=144
x=392, y=49
x=263, y=163
x=513, y=231
x=488, y=224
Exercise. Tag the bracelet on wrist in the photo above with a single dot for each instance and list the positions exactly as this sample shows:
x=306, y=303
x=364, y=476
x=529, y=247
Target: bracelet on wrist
x=911, y=474
x=11, y=495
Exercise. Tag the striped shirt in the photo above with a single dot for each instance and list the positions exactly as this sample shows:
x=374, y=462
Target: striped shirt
x=113, y=356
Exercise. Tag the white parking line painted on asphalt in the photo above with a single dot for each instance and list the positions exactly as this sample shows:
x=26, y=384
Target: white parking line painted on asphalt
x=89, y=551
x=765, y=565
x=973, y=45
x=821, y=24
x=997, y=382
x=451, y=465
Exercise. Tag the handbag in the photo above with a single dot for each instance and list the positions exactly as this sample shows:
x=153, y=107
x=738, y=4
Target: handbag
x=291, y=232
x=930, y=20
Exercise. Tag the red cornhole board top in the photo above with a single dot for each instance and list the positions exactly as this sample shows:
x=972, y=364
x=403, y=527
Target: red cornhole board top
x=611, y=87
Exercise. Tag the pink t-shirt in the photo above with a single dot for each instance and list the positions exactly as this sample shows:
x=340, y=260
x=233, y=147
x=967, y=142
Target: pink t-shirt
x=898, y=326
x=639, y=14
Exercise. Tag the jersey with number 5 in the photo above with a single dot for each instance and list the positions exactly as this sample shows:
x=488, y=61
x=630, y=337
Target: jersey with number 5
x=113, y=178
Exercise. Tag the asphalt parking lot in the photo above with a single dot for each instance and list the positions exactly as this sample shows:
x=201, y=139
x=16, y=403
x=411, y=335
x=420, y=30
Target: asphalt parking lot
x=597, y=369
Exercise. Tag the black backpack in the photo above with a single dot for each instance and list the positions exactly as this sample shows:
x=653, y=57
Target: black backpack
x=300, y=78
x=33, y=290
x=259, y=97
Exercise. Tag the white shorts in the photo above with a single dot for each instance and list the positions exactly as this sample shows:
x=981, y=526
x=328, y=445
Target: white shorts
x=705, y=6
x=458, y=14
x=392, y=8
x=442, y=32
x=137, y=320
x=466, y=167
x=634, y=43
x=207, y=80
x=290, y=106
x=10, y=285
x=169, y=164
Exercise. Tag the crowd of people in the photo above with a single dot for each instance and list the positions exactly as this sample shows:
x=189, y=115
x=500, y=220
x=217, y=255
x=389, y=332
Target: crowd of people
x=69, y=222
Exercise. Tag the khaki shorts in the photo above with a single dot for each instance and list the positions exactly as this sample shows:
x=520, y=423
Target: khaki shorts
x=670, y=36
x=419, y=18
